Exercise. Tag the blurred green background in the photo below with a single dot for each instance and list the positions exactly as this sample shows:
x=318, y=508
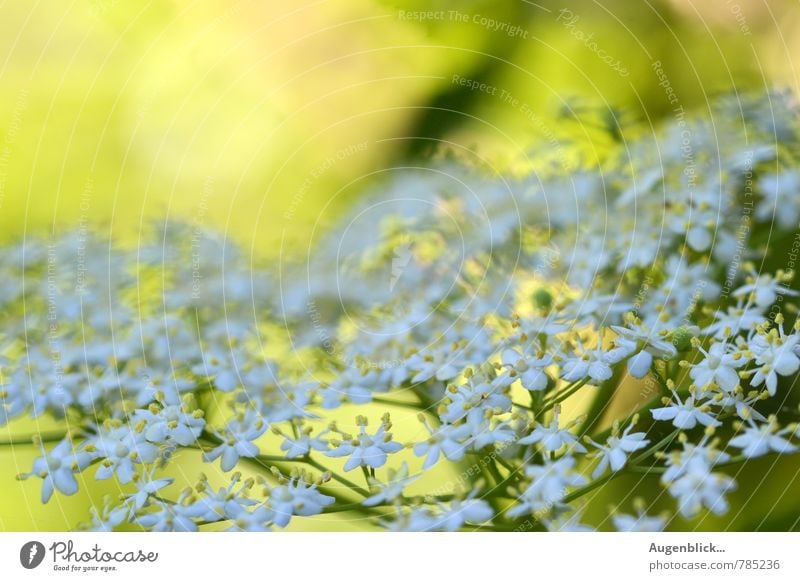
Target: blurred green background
x=266, y=119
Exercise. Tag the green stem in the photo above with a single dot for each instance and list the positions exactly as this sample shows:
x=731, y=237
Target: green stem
x=661, y=381
x=31, y=440
x=602, y=399
x=403, y=404
x=589, y=487
x=565, y=392
x=664, y=442
x=340, y=479
x=365, y=472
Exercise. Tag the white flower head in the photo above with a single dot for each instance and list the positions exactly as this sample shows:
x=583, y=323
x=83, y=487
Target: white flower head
x=614, y=454
x=57, y=469
x=393, y=488
x=236, y=440
x=369, y=450
x=686, y=414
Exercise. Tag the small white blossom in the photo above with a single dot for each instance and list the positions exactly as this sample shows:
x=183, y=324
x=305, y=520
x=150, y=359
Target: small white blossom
x=218, y=366
x=365, y=449
x=774, y=355
x=147, y=486
x=237, y=440
x=168, y=518
x=765, y=289
x=480, y=392
x=529, y=369
x=57, y=469
x=447, y=440
x=460, y=512
x=223, y=503
x=697, y=489
x=757, y=440
x=685, y=415
x=640, y=345
x=120, y=449
x=170, y=423
x=548, y=487
x=255, y=520
x=718, y=367
x=303, y=444
x=296, y=498
x=638, y=523
x=553, y=437
x=587, y=363
x=393, y=488
x=615, y=453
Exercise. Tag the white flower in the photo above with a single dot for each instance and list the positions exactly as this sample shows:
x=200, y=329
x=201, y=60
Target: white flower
x=146, y=487
x=697, y=489
x=278, y=403
x=758, y=440
x=593, y=307
x=122, y=369
x=170, y=423
x=107, y=519
x=416, y=519
x=121, y=447
x=741, y=318
x=149, y=388
x=439, y=364
x=685, y=415
x=303, y=444
x=529, y=369
x=548, y=487
x=530, y=330
x=225, y=502
x=780, y=198
x=365, y=449
x=237, y=440
x=775, y=355
x=615, y=453
x=447, y=440
x=639, y=365
x=388, y=492
x=57, y=469
x=741, y=403
x=591, y=363
x=252, y=520
x=468, y=510
x=641, y=344
x=765, y=289
x=168, y=518
x=639, y=523
x=14, y=397
x=480, y=392
x=351, y=385
x=296, y=497
x=718, y=367
x=218, y=365
x=482, y=431
x=552, y=437
x=698, y=458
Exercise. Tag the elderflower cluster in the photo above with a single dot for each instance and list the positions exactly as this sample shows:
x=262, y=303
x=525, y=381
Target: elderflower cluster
x=501, y=328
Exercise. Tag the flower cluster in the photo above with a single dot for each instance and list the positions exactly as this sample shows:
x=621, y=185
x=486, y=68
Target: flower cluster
x=515, y=320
